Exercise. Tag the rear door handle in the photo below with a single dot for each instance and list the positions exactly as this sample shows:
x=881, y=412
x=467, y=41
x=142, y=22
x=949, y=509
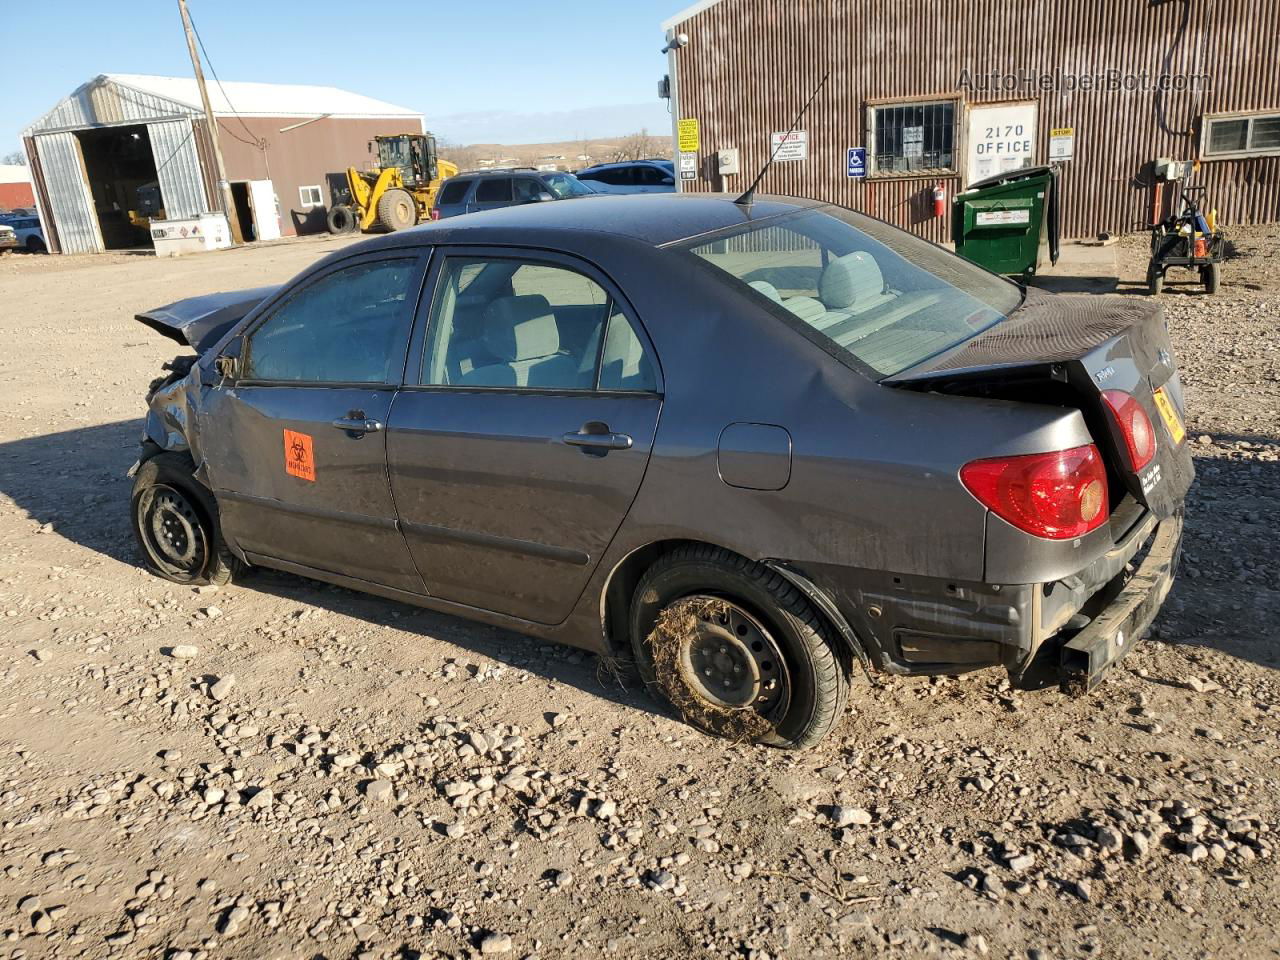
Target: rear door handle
x=598, y=441
x=358, y=425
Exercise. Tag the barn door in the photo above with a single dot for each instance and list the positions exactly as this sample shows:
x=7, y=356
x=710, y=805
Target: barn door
x=266, y=219
x=177, y=168
x=68, y=189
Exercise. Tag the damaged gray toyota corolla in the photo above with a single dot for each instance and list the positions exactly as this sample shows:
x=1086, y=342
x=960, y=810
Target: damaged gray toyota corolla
x=746, y=447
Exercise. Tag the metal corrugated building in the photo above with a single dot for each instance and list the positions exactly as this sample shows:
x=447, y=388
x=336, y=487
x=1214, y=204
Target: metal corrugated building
x=913, y=82
x=125, y=143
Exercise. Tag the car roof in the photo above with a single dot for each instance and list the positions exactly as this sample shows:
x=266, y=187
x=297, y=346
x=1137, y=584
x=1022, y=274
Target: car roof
x=654, y=219
x=504, y=172
x=615, y=164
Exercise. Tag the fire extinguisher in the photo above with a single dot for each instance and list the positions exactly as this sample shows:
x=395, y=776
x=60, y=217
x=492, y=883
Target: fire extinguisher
x=939, y=199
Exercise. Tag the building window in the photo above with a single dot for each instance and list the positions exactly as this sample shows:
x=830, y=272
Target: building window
x=310, y=196
x=912, y=138
x=1241, y=135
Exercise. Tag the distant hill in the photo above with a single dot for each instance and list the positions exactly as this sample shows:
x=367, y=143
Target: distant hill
x=564, y=154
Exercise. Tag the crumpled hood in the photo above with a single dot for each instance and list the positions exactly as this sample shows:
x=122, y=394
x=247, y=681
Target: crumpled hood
x=201, y=321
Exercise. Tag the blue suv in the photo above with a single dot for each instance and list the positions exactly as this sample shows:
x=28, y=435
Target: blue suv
x=491, y=189
x=631, y=176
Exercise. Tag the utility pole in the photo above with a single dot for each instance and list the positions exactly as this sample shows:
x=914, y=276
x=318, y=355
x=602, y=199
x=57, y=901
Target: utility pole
x=228, y=204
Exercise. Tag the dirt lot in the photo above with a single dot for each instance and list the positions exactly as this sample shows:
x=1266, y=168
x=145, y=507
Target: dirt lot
x=380, y=781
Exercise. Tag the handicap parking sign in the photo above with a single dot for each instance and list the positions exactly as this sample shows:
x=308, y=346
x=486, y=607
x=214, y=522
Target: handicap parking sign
x=856, y=162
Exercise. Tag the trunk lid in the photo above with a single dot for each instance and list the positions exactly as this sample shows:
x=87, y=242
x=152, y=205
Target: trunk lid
x=1066, y=350
x=201, y=321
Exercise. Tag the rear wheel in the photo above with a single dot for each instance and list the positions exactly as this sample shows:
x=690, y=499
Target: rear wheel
x=341, y=219
x=35, y=245
x=397, y=210
x=736, y=649
x=1211, y=277
x=175, y=520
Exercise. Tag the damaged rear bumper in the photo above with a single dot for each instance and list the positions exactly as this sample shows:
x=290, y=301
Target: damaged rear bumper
x=1085, y=655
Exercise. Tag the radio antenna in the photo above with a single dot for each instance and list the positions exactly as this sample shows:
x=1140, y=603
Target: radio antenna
x=749, y=194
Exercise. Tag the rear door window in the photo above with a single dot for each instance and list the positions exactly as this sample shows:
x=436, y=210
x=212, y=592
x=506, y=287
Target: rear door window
x=494, y=190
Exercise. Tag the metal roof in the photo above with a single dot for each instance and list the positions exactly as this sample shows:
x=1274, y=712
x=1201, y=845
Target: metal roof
x=131, y=98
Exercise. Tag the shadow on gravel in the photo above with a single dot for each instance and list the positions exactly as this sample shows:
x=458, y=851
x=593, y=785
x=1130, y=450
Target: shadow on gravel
x=73, y=485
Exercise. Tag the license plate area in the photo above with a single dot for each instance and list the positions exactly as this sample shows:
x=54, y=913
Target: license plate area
x=1169, y=414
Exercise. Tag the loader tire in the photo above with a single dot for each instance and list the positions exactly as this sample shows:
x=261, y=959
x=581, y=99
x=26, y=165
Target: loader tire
x=397, y=210
x=342, y=219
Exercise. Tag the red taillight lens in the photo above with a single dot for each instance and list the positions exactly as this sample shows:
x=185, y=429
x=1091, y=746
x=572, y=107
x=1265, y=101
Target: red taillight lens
x=435, y=214
x=1056, y=495
x=1135, y=427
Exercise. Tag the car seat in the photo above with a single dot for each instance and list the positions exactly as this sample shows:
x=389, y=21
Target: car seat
x=521, y=333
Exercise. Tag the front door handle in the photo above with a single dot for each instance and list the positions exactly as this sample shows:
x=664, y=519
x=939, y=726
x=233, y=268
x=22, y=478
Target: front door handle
x=358, y=425
x=597, y=440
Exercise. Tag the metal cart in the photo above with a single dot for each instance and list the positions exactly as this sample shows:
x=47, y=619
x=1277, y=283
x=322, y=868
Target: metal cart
x=1174, y=243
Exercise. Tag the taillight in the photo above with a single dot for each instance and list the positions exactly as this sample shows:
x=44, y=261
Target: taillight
x=1056, y=495
x=1135, y=427
x=435, y=213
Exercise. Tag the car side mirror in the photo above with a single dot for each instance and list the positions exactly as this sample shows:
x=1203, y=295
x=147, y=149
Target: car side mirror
x=225, y=366
x=668, y=181
x=543, y=197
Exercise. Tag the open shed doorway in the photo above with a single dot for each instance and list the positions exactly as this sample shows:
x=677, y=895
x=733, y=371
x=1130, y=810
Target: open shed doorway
x=121, y=171
x=244, y=209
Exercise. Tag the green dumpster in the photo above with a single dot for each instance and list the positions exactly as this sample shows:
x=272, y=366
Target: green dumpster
x=1009, y=223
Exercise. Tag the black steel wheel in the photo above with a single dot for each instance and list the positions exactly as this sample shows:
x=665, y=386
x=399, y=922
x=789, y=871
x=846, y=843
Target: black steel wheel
x=175, y=523
x=737, y=649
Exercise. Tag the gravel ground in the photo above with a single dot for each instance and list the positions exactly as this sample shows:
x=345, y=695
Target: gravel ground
x=285, y=769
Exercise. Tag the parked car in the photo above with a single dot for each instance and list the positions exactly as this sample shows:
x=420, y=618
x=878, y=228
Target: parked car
x=745, y=448
x=27, y=230
x=632, y=176
x=8, y=238
x=494, y=189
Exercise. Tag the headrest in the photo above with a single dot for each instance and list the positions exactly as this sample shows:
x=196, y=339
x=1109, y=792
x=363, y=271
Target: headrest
x=520, y=328
x=851, y=280
x=767, y=288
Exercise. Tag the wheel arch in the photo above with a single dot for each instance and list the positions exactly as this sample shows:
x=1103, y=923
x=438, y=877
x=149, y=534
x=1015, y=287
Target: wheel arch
x=615, y=599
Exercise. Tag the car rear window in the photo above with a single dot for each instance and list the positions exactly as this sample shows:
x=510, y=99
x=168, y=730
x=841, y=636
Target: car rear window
x=454, y=191
x=876, y=294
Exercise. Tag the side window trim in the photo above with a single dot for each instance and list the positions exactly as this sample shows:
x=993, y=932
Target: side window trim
x=431, y=289
x=422, y=260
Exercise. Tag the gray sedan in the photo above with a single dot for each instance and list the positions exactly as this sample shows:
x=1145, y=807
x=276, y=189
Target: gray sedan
x=753, y=448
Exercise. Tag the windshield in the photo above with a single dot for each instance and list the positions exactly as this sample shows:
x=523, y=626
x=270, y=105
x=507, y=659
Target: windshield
x=881, y=295
x=394, y=153
x=564, y=185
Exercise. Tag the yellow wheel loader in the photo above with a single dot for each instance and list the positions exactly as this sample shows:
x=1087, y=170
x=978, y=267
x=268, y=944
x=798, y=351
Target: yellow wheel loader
x=399, y=192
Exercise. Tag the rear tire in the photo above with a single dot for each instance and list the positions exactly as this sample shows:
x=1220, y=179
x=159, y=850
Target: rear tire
x=35, y=245
x=1155, y=281
x=737, y=649
x=342, y=219
x=1211, y=277
x=397, y=210
x=175, y=521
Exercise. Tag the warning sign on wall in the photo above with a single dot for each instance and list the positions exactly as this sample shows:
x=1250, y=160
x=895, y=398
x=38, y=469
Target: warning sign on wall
x=687, y=135
x=789, y=146
x=1062, y=143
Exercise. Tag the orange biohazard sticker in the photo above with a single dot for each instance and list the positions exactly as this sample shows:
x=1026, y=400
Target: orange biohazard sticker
x=299, y=459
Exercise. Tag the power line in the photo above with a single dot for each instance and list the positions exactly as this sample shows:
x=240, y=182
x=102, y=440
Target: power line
x=258, y=142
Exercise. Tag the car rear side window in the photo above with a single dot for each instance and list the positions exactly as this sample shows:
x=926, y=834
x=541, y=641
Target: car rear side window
x=455, y=191
x=496, y=190
x=350, y=326
x=522, y=324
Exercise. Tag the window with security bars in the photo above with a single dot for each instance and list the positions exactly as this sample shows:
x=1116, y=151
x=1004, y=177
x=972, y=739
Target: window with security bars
x=912, y=138
x=1242, y=136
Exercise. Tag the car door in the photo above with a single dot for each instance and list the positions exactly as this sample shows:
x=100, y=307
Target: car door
x=490, y=193
x=523, y=430
x=294, y=438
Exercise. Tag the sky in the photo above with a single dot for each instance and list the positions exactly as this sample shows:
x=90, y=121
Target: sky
x=481, y=71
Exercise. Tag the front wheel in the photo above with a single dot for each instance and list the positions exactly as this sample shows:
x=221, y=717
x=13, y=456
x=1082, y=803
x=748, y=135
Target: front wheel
x=737, y=649
x=397, y=210
x=175, y=521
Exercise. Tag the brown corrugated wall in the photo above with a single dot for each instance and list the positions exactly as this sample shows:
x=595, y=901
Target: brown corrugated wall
x=750, y=65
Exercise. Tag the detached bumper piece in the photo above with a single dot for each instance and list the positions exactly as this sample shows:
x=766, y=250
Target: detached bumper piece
x=1118, y=627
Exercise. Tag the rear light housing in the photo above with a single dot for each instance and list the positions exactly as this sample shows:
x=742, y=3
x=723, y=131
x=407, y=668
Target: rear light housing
x=1134, y=425
x=1058, y=495
x=435, y=213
